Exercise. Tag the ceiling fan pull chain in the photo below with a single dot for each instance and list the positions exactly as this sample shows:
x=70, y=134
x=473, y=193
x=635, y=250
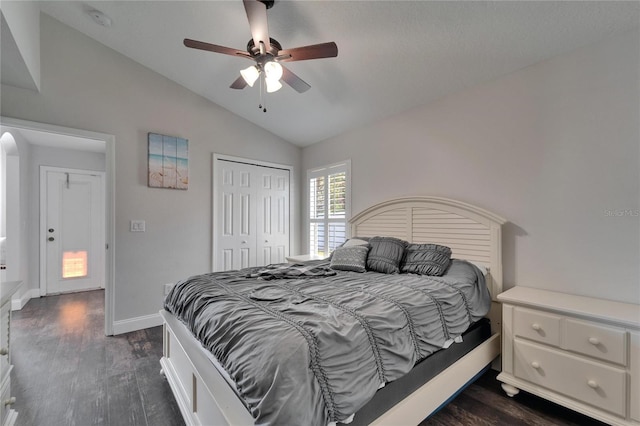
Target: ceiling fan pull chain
x=264, y=104
x=260, y=91
x=260, y=105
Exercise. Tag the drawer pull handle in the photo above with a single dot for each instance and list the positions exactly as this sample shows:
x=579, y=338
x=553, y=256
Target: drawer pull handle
x=535, y=365
x=4, y=351
x=536, y=326
x=592, y=384
x=594, y=341
x=10, y=401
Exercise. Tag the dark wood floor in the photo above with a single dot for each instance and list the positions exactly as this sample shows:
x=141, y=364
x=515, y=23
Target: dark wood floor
x=68, y=373
x=484, y=403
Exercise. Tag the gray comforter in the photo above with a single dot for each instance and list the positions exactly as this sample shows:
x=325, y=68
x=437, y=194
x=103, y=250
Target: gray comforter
x=310, y=351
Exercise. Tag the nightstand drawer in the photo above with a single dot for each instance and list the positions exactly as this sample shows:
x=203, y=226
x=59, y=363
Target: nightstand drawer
x=536, y=325
x=4, y=340
x=596, y=384
x=598, y=341
x=5, y=394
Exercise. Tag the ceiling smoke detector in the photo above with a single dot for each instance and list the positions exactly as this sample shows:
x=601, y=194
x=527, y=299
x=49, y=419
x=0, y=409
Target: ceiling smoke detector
x=99, y=18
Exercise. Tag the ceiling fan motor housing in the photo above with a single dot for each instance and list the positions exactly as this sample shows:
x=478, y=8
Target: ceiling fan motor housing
x=268, y=3
x=272, y=52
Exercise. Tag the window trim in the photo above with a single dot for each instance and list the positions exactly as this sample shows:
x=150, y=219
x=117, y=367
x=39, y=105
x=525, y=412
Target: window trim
x=325, y=171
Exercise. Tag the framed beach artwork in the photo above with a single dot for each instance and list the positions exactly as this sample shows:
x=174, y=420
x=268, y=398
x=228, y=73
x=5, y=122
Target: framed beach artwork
x=168, y=162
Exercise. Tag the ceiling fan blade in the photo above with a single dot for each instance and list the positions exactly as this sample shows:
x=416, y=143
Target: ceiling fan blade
x=298, y=84
x=315, y=51
x=240, y=83
x=195, y=44
x=257, y=16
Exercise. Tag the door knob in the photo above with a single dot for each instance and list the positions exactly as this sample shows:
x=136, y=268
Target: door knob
x=51, y=238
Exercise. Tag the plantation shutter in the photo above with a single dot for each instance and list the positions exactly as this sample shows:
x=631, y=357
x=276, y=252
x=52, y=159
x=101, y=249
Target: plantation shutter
x=328, y=207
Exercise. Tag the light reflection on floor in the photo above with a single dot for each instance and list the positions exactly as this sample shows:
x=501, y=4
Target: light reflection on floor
x=73, y=315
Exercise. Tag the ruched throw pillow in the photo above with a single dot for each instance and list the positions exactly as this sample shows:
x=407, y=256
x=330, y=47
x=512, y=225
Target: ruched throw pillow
x=426, y=259
x=386, y=254
x=353, y=258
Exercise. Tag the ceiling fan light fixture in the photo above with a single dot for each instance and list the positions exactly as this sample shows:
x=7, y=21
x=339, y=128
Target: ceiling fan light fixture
x=272, y=85
x=250, y=74
x=273, y=70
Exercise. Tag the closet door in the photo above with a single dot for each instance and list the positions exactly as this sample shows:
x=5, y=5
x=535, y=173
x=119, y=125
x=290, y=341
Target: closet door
x=235, y=217
x=251, y=215
x=273, y=216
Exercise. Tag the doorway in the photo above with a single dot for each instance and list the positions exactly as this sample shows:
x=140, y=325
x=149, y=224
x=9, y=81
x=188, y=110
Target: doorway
x=71, y=230
x=58, y=136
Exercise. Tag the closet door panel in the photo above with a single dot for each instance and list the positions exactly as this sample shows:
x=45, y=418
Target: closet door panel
x=235, y=218
x=273, y=223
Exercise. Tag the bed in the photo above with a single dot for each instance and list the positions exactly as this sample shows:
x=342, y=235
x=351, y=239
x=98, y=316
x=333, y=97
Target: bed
x=206, y=394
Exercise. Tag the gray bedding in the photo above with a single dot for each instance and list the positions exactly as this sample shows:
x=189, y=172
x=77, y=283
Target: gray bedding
x=314, y=350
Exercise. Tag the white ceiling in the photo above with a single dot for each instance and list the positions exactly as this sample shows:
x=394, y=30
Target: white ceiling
x=393, y=55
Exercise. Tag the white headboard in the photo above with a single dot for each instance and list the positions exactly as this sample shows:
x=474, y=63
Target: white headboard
x=472, y=233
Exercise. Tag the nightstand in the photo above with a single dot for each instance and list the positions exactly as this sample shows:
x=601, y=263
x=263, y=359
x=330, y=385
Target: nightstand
x=580, y=352
x=303, y=258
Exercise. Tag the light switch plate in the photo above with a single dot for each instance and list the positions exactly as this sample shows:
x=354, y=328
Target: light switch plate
x=137, y=226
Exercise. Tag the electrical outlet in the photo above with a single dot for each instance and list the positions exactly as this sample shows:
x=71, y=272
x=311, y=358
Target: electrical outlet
x=167, y=288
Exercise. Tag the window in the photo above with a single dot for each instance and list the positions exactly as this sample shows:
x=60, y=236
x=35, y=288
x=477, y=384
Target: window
x=329, y=207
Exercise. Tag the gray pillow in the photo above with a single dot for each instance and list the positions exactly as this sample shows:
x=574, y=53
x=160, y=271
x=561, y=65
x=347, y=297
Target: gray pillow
x=353, y=258
x=426, y=259
x=352, y=241
x=386, y=254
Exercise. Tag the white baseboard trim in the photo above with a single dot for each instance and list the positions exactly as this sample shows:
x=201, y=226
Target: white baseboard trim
x=137, y=323
x=17, y=303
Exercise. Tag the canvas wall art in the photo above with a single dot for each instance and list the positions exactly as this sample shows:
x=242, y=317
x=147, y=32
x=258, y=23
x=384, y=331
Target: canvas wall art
x=168, y=162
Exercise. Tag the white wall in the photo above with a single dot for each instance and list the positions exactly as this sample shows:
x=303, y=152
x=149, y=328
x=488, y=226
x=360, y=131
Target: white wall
x=86, y=85
x=553, y=148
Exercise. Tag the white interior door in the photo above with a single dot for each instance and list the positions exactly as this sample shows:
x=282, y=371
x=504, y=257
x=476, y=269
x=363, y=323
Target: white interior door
x=273, y=217
x=252, y=215
x=72, y=229
x=236, y=221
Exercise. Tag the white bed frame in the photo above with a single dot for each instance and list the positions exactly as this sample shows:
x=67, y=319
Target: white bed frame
x=204, y=396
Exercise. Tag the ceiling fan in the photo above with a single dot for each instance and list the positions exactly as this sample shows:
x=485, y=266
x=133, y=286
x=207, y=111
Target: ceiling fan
x=267, y=52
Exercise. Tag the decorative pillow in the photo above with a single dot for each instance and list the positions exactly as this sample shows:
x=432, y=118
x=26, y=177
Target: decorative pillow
x=426, y=259
x=355, y=241
x=386, y=254
x=352, y=258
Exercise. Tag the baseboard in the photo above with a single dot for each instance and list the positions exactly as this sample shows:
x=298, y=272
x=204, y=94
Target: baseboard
x=137, y=323
x=17, y=303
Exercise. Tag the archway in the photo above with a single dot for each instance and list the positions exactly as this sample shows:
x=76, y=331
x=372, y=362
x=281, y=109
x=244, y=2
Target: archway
x=10, y=227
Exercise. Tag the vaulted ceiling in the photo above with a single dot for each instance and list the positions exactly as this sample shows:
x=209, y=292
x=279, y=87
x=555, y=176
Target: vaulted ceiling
x=393, y=55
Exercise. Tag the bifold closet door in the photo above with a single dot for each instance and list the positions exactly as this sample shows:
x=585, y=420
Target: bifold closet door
x=272, y=216
x=252, y=215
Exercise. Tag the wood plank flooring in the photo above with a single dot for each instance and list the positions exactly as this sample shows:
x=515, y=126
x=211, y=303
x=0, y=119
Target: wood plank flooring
x=67, y=373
